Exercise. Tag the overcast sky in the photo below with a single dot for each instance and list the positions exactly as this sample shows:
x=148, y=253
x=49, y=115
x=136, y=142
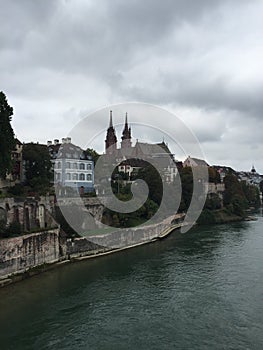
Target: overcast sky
x=201, y=60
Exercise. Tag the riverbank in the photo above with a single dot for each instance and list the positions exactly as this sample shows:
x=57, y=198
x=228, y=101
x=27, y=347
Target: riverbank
x=220, y=216
x=90, y=250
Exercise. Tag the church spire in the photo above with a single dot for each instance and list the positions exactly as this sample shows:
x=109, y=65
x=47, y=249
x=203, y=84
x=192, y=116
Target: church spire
x=111, y=125
x=126, y=134
x=111, y=139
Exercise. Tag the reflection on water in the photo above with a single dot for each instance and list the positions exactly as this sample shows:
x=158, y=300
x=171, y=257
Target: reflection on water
x=200, y=290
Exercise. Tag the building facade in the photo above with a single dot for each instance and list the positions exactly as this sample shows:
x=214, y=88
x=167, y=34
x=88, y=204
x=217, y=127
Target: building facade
x=132, y=158
x=73, y=167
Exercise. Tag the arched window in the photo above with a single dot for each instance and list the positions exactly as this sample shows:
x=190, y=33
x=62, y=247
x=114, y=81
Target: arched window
x=68, y=176
x=88, y=177
x=59, y=165
x=75, y=176
x=82, y=166
x=88, y=166
x=82, y=177
x=68, y=165
x=75, y=166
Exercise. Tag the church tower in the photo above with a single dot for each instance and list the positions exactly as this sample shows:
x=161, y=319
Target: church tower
x=126, y=135
x=111, y=139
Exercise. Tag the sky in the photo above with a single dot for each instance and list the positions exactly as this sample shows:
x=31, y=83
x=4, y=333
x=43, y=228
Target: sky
x=201, y=61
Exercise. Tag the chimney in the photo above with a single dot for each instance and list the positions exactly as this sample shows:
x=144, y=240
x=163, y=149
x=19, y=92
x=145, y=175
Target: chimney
x=64, y=140
x=68, y=140
x=49, y=143
x=56, y=142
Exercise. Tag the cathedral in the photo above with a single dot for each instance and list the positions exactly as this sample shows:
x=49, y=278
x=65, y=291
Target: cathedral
x=130, y=157
x=111, y=139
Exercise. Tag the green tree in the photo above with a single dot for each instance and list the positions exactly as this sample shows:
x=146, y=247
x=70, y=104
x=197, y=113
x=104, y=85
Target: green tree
x=214, y=176
x=153, y=179
x=186, y=175
x=234, y=197
x=213, y=202
x=37, y=166
x=7, y=139
x=91, y=152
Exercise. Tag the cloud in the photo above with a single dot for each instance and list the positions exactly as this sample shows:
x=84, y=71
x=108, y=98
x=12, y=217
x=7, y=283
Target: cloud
x=200, y=59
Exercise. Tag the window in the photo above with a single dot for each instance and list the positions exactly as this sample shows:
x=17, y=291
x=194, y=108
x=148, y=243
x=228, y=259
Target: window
x=68, y=176
x=82, y=166
x=82, y=177
x=88, y=166
x=59, y=165
x=75, y=176
x=75, y=166
x=88, y=177
x=68, y=165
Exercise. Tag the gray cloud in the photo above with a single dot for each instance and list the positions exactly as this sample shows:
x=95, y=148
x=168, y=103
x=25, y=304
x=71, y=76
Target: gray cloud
x=201, y=59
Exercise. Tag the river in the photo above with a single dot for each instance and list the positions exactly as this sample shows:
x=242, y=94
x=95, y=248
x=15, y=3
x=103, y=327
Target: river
x=199, y=290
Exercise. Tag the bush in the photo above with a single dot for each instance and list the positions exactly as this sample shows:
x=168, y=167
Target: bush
x=206, y=217
x=15, y=228
x=17, y=190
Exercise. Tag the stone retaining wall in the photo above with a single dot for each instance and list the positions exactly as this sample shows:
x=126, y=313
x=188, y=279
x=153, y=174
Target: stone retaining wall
x=18, y=254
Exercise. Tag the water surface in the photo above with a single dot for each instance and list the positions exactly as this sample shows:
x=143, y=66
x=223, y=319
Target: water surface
x=200, y=290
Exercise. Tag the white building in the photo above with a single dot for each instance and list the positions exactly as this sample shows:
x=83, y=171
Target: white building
x=73, y=167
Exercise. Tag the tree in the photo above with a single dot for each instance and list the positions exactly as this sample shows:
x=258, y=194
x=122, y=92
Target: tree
x=234, y=197
x=37, y=165
x=186, y=175
x=7, y=139
x=214, y=176
x=91, y=152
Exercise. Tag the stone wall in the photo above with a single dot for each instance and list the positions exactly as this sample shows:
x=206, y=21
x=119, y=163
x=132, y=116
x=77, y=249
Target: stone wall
x=92, y=204
x=31, y=213
x=215, y=188
x=21, y=253
x=117, y=239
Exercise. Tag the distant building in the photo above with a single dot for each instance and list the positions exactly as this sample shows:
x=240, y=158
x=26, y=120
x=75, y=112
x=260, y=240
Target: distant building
x=250, y=177
x=73, y=167
x=132, y=158
x=223, y=171
x=194, y=162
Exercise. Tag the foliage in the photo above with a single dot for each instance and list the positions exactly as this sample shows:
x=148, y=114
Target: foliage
x=13, y=229
x=207, y=217
x=153, y=179
x=234, y=198
x=91, y=152
x=252, y=194
x=213, y=202
x=144, y=213
x=214, y=176
x=7, y=140
x=17, y=190
x=186, y=176
x=37, y=166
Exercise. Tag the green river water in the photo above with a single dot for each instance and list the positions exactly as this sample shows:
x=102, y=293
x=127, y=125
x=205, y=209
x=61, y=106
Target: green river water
x=199, y=290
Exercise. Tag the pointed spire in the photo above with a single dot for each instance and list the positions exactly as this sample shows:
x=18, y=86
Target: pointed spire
x=111, y=139
x=111, y=125
x=126, y=134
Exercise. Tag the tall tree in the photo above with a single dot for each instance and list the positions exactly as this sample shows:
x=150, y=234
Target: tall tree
x=91, y=152
x=7, y=139
x=37, y=165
